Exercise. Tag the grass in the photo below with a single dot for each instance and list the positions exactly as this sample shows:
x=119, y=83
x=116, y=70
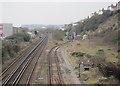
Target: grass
x=51, y=44
x=90, y=48
x=92, y=76
x=92, y=81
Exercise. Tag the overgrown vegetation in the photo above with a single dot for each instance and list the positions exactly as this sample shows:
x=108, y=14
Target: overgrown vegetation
x=11, y=45
x=58, y=35
x=104, y=26
x=91, y=24
x=20, y=37
x=111, y=37
x=81, y=54
x=78, y=54
x=99, y=57
x=36, y=33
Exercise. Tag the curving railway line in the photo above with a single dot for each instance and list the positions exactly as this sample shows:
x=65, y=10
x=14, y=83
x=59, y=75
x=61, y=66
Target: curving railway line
x=54, y=70
x=20, y=71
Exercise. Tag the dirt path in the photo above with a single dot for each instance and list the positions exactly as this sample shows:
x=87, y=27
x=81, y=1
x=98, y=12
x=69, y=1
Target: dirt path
x=69, y=66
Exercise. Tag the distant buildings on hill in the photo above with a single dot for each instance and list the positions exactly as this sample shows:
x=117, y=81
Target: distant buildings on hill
x=112, y=7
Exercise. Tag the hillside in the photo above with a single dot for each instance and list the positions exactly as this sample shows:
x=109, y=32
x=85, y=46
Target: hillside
x=104, y=26
x=108, y=30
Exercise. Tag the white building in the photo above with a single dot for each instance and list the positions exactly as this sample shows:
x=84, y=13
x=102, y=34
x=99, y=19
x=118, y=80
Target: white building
x=85, y=37
x=6, y=29
x=113, y=7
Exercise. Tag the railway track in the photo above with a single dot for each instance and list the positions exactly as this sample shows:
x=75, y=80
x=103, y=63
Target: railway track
x=28, y=73
x=54, y=70
x=17, y=61
x=22, y=72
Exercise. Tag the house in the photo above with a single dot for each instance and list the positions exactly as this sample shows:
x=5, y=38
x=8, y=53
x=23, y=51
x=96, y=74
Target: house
x=16, y=30
x=112, y=7
x=85, y=37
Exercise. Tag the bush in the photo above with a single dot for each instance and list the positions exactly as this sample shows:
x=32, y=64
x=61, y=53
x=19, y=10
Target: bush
x=36, y=33
x=100, y=55
x=100, y=50
x=78, y=54
x=20, y=37
x=26, y=37
x=58, y=35
x=16, y=48
x=112, y=37
x=9, y=50
x=88, y=55
x=10, y=45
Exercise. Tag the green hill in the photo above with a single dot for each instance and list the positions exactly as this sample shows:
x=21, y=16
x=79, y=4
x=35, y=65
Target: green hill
x=104, y=26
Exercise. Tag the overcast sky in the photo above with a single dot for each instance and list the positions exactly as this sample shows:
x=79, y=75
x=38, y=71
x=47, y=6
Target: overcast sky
x=48, y=12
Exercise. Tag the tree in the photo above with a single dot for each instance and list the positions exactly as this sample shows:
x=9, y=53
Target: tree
x=58, y=35
x=36, y=33
x=26, y=37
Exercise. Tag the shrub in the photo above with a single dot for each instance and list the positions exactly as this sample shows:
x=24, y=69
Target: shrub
x=100, y=50
x=88, y=55
x=26, y=37
x=78, y=54
x=16, y=48
x=58, y=35
x=100, y=55
x=20, y=37
x=10, y=45
x=111, y=37
x=36, y=33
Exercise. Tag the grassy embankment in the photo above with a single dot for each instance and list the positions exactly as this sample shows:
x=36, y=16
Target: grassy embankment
x=91, y=49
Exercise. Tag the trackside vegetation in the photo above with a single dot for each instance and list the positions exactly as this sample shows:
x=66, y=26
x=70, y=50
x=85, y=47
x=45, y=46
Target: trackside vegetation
x=12, y=45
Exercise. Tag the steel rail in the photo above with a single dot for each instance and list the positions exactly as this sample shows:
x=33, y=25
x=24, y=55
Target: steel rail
x=58, y=67
x=18, y=58
x=12, y=73
x=28, y=80
x=24, y=69
x=50, y=72
x=50, y=67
